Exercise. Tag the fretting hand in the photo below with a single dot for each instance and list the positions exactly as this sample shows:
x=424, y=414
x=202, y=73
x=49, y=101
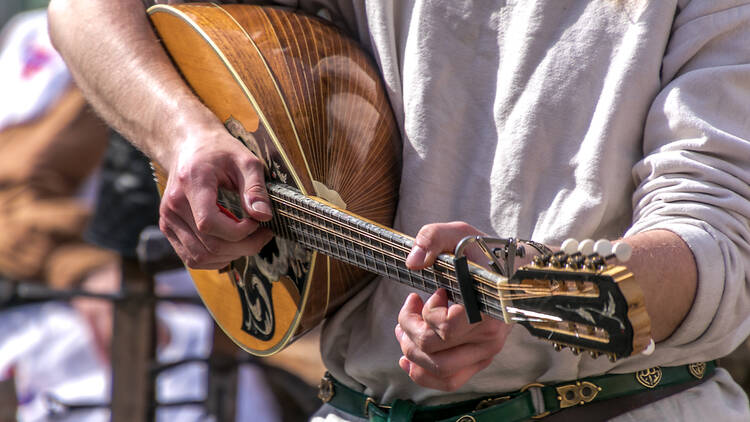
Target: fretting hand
x=441, y=349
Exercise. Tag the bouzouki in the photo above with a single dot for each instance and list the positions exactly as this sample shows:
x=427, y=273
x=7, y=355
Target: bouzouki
x=306, y=100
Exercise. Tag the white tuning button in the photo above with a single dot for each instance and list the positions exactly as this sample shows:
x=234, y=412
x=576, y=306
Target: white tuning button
x=649, y=349
x=603, y=247
x=569, y=246
x=623, y=251
x=586, y=247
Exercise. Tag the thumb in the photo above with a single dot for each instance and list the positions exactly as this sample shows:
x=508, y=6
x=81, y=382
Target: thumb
x=255, y=197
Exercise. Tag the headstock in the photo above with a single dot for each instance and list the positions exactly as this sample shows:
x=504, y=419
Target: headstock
x=583, y=298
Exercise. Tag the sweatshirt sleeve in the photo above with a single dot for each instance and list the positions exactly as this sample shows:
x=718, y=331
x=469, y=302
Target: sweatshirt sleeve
x=694, y=179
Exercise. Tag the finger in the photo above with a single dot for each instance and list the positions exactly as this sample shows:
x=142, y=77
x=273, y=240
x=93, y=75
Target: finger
x=253, y=188
x=424, y=378
x=200, y=211
x=435, y=313
x=247, y=245
x=190, y=259
x=413, y=325
x=210, y=252
x=451, y=361
x=434, y=239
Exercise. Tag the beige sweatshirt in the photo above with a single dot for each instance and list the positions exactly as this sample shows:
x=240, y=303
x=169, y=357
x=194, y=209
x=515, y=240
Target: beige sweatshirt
x=553, y=119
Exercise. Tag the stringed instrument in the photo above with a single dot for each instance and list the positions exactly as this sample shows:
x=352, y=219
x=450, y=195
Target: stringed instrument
x=306, y=100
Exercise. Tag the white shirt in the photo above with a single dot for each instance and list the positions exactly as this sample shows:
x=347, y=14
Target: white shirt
x=555, y=119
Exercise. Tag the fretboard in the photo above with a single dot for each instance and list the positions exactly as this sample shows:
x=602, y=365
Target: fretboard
x=344, y=236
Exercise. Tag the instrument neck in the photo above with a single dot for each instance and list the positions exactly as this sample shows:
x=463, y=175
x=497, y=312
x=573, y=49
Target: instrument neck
x=340, y=235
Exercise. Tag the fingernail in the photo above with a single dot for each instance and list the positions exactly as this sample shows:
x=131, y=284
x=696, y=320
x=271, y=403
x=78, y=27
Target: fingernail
x=416, y=257
x=261, y=207
x=399, y=332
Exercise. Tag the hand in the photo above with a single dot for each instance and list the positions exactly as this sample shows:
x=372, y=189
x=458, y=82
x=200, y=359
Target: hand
x=441, y=349
x=203, y=236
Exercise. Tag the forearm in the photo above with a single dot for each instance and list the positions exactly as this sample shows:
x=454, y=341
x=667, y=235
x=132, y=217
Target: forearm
x=664, y=267
x=126, y=74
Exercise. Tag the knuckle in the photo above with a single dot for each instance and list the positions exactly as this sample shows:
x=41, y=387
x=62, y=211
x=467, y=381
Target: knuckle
x=181, y=175
x=203, y=223
x=444, y=332
x=423, y=338
x=171, y=199
x=256, y=189
x=409, y=351
x=250, y=163
x=213, y=246
x=428, y=236
x=462, y=226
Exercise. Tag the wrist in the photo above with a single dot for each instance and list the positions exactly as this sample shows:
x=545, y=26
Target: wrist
x=185, y=131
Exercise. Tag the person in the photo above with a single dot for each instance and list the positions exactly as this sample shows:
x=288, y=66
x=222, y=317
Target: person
x=541, y=120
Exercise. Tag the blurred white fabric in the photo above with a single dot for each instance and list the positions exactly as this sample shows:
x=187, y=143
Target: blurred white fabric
x=49, y=351
x=32, y=74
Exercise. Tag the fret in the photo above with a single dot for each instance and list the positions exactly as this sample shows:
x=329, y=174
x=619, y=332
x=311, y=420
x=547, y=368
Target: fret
x=317, y=240
x=423, y=280
x=388, y=265
x=354, y=241
x=359, y=243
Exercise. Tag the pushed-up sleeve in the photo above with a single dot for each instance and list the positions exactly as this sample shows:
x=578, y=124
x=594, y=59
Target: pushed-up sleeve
x=694, y=179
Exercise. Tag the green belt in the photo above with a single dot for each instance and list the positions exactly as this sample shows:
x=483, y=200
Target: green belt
x=532, y=401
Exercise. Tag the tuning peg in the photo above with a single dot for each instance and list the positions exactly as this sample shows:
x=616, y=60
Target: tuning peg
x=623, y=251
x=576, y=350
x=555, y=261
x=569, y=246
x=594, y=354
x=586, y=247
x=603, y=248
x=612, y=357
x=558, y=346
x=537, y=261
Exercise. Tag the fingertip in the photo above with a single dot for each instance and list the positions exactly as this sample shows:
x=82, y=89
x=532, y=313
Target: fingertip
x=416, y=259
x=413, y=301
x=405, y=364
x=438, y=299
x=442, y=293
x=260, y=209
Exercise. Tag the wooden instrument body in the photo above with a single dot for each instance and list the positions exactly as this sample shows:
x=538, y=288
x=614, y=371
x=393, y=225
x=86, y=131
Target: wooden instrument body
x=308, y=102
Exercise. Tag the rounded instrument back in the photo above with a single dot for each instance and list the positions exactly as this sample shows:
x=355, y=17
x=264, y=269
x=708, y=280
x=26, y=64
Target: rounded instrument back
x=308, y=102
